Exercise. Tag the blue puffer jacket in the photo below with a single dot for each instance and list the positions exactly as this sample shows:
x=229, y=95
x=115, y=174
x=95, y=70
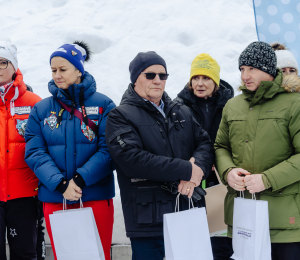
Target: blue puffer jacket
x=56, y=152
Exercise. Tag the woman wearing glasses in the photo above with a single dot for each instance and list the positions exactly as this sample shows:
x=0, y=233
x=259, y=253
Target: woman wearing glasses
x=65, y=142
x=18, y=202
x=286, y=61
x=206, y=95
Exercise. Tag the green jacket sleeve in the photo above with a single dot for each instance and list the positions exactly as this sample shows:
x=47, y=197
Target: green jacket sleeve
x=288, y=171
x=222, y=148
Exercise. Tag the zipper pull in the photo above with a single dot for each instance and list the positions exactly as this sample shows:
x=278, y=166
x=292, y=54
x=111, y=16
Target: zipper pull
x=206, y=107
x=179, y=122
x=161, y=131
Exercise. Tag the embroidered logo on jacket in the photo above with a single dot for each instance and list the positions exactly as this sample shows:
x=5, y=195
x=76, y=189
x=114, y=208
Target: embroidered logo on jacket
x=13, y=232
x=22, y=110
x=87, y=131
x=21, y=126
x=51, y=120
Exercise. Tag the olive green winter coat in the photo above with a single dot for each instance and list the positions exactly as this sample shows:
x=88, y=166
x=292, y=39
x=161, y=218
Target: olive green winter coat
x=260, y=132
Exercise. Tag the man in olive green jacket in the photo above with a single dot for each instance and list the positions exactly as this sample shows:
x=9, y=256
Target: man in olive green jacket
x=258, y=146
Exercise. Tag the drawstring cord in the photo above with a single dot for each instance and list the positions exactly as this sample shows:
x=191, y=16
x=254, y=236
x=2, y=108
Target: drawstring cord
x=12, y=102
x=179, y=121
x=4, y=90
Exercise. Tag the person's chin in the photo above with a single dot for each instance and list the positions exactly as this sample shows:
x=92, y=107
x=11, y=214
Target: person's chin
x=156, y=92
x=251, y=87
x=62, y=86
x=200, y=94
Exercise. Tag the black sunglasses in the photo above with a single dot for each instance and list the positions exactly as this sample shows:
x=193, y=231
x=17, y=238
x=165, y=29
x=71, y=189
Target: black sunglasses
x=152, y=75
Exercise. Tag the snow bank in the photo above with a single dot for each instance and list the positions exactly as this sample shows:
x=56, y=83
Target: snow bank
x=117, y=30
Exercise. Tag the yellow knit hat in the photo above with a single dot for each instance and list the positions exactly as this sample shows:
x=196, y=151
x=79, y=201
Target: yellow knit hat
x=204, y=64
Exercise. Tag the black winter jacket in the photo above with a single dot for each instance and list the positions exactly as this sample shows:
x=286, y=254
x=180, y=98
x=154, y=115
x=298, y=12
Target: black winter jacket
x=186, y=97
x=148, y=150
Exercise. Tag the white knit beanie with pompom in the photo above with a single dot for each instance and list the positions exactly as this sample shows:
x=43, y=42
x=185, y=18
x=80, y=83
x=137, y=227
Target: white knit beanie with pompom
x=9, y=51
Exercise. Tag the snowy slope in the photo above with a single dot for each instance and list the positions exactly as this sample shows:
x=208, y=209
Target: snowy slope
x=178, y=30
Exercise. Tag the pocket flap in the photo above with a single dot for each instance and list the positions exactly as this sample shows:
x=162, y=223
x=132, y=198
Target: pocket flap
x=144, y=198
x=119, y=132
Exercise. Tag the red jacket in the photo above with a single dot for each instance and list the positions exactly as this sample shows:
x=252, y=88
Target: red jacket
x=16, y=178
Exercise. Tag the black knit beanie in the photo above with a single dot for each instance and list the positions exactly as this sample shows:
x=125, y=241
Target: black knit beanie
x=259, y=55
x=142, y=61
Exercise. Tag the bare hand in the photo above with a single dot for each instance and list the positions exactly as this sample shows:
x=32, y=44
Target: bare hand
x=236, y=180
x=254, y=183
x=73, y=192
x=186, y=188
x=197, y=173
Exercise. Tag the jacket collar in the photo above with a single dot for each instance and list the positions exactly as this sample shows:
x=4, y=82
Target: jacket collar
x=18, y=83
x=132, y=98
x=88, y=84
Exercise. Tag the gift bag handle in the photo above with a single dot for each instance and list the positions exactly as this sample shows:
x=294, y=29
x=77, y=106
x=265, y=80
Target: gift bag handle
x=65, y=204
x=243, y=195
x=177, y=203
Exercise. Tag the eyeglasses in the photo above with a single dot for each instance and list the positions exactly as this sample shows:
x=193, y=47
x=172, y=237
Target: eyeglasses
x=4, y=64
x=152, y=75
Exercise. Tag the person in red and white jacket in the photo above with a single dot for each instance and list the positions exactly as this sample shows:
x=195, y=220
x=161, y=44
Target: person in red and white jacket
x=18, y=183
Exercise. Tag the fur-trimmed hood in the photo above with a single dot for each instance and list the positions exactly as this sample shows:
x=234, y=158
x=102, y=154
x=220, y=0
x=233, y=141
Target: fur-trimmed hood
x=291, y=83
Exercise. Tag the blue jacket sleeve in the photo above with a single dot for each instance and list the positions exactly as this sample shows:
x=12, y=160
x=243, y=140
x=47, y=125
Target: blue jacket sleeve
x=36, y=153
x=100, y=164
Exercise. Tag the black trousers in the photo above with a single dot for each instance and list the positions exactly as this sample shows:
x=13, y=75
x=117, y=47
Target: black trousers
x=222, y=249
x=286, y=251
x=19, y=217
x=147, y=248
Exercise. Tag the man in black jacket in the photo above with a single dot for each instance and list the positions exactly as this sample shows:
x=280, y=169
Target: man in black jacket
x=153, y=140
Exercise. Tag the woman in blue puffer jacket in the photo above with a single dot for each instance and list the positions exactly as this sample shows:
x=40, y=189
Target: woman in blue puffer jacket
x=68, y=154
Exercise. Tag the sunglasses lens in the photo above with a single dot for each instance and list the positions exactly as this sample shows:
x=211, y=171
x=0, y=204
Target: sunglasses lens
x=163, y=76
x=150, y=75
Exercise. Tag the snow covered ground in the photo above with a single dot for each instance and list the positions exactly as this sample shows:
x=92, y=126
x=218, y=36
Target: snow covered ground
x=117, y=30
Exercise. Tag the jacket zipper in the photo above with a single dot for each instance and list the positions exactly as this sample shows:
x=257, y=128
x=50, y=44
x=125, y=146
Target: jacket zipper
x=162, y=134
x=146, y=187
x=6, y=152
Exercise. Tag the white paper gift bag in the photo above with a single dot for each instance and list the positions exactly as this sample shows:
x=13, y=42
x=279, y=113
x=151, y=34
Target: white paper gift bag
x=75, y=234
x=250, y=231
x=186, y=234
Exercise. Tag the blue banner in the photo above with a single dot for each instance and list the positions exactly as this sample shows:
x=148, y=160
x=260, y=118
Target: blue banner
x=279, y=21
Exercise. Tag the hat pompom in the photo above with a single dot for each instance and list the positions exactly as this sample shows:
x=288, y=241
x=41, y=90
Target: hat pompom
x=86, y=47
x=278, y=46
